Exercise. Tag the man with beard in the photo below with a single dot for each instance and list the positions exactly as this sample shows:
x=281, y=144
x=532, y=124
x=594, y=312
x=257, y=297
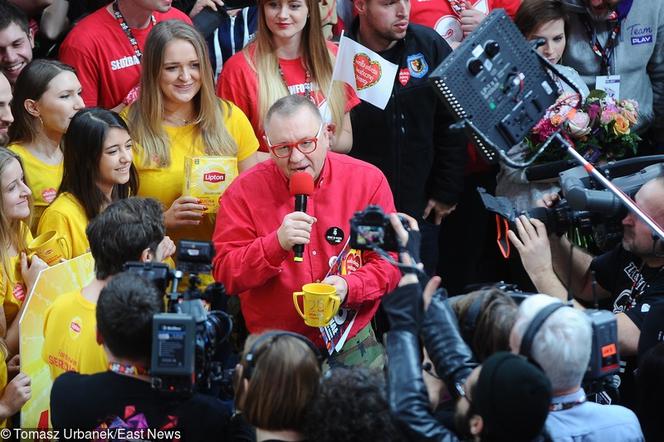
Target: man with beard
x=6, y=117
x=619, y=45
x=630, y=277
x=409, y=141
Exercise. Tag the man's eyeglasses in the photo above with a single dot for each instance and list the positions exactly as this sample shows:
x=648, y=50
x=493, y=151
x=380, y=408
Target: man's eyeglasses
x=305, y=145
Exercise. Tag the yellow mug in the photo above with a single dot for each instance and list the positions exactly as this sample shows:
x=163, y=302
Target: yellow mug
x=320, y=303
x=49, y=246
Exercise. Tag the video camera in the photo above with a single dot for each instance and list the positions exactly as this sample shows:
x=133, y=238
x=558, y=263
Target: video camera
x=586, y=205
x=189, y=343
x=371, y=228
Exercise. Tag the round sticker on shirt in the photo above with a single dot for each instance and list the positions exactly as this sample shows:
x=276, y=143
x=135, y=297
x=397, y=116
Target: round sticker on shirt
x=49, y=194
x=19, y=292
x=334, y=235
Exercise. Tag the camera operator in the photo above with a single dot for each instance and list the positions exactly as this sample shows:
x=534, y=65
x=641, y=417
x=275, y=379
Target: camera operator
x=631, y=275
x=257, y=230
x=506, y=398
x=122, y=397
x=130, y=229
x=562, y=347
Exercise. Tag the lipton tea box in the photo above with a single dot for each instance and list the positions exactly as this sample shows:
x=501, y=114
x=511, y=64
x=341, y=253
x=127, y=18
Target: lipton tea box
x=206, y=178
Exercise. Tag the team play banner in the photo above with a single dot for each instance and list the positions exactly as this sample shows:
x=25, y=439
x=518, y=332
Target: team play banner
x=368, y=73
x=62, y=278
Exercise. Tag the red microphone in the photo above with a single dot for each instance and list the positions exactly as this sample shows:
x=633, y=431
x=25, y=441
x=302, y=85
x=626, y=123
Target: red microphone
x=301, y=186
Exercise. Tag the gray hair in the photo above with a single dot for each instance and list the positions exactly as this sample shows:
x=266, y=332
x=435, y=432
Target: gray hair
x=562, y=345
x=288, y=106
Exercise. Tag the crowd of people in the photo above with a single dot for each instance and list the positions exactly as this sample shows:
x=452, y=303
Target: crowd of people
x=103, y=102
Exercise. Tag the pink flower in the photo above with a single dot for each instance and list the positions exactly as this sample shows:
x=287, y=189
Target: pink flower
x=543, y=130
x=594, y=110
x=578, y=125
x=630, y=105
x=608, y=115
x=630, y=110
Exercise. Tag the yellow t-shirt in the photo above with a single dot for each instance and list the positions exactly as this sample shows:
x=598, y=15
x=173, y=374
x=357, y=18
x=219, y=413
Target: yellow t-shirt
x=66, y=216
x=13, y=289
x=70, y=336
x=165, y=184
x=3, y=376
x=43, y=179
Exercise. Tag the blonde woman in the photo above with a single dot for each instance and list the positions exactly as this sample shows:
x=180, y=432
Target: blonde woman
x=178, y=115
x=17, y=273
x=46, y=97
x=290, y=56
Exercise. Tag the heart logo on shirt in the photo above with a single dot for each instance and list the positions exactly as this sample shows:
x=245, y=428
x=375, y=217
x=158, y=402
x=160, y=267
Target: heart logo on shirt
x=367, y=72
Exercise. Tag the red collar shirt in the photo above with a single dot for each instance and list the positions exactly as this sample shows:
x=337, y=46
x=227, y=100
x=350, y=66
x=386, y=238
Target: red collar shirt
x=250, y=262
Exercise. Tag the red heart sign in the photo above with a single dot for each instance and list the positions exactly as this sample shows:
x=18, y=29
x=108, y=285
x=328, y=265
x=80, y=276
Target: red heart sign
x=367, y=72
x=353, y=262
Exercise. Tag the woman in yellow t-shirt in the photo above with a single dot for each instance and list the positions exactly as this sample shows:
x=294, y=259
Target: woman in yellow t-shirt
x=98, y=169
x=46, y=97
x=178, y=115
x=17, y=276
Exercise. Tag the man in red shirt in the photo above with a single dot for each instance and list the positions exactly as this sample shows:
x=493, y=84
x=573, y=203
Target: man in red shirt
x=257, y=229
x=106, y=49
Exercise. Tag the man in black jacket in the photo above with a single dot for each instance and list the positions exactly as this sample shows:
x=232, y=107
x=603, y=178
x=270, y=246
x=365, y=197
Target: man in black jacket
x=410, y=140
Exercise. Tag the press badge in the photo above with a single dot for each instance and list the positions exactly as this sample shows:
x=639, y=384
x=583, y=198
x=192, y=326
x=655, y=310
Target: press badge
x=609, y=84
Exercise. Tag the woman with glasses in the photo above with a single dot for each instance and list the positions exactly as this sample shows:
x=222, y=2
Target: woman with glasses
x=178, y=115
x=290, y=56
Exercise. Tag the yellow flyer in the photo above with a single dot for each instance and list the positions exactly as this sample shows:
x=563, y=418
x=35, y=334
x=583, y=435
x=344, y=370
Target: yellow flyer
x=62, y=278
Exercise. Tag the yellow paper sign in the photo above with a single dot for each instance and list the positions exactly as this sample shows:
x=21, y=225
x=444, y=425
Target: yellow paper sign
x=62, y=278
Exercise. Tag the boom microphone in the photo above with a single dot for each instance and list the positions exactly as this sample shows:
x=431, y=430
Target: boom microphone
x=301, y=186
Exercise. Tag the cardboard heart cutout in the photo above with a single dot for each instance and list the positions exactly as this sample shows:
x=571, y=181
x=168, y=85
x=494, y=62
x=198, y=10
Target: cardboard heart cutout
x=367, y=72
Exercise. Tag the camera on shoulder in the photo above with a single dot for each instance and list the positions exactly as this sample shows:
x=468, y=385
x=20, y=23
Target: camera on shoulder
x=189, y=341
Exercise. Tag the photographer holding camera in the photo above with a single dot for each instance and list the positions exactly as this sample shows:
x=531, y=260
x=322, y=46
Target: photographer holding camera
x=631, y=275
x=122, y=398
x=561, y=347
x=506, y=398
x=257, y=230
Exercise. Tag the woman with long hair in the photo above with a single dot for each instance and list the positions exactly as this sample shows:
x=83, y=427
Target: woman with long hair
x=17, y=273
x=276, y=381
x=98, y=169
x=46, y=97
x=290, y=56
x=178, y=115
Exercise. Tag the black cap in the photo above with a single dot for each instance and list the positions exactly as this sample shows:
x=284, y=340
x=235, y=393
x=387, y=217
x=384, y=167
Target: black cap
x=513, y=397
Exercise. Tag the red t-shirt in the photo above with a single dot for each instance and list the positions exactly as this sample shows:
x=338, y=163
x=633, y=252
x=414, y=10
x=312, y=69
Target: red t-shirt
x=238, y=83
x=105, y=62
x=438, y=14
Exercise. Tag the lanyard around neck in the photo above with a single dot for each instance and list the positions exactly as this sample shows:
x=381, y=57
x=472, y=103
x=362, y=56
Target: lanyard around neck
x=604, y=52
x=562, y=406
x=127, y=30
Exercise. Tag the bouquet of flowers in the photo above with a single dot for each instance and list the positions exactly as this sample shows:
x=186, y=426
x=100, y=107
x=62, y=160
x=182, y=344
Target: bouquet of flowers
x=600, y=129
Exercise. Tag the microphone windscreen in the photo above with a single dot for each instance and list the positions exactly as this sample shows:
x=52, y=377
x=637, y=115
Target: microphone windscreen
x=301, y=183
